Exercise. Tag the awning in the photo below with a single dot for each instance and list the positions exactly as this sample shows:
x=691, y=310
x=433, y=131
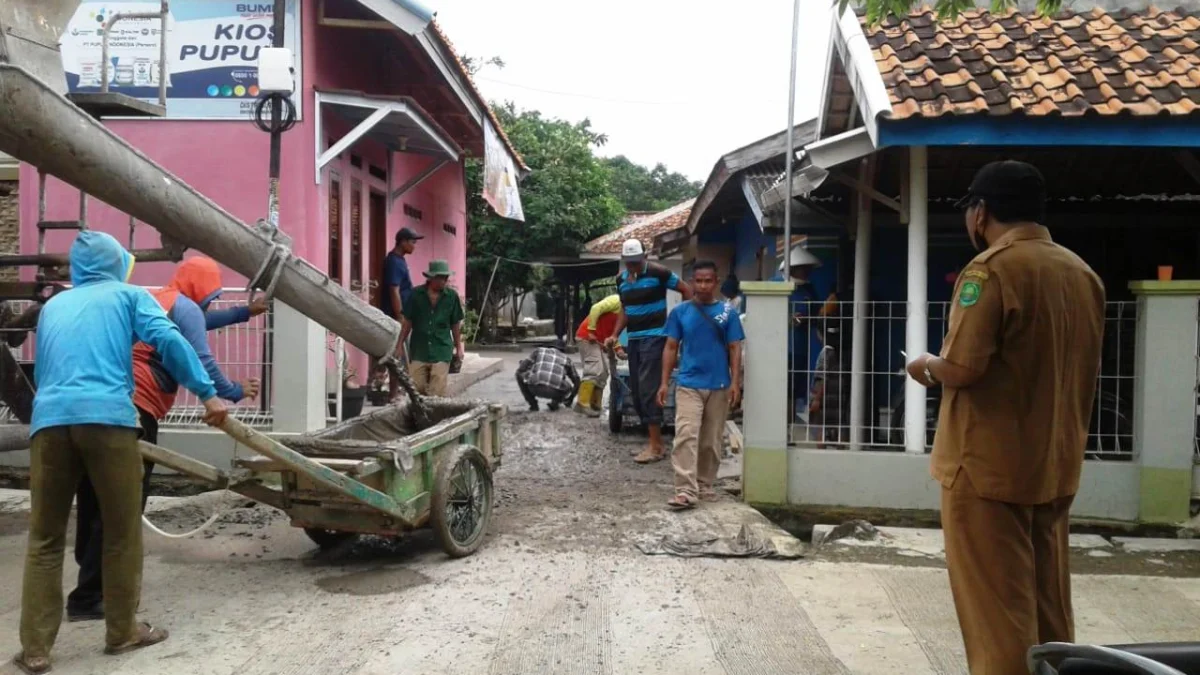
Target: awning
x=813, y=167
x=408, y=15
x=397, y=123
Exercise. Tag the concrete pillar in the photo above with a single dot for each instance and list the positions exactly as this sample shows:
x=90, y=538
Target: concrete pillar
x=766, y=406
x=1164, y=396
x=859, y=382
x=298, y=373
x=917, y=322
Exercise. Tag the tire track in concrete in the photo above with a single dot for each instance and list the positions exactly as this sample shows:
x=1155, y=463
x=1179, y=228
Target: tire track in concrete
x=759, y=629
x=1150, y=609
x=923, y=601
x=558, y=623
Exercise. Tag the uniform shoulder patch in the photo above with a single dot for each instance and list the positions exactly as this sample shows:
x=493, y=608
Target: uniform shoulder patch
x=969, y=293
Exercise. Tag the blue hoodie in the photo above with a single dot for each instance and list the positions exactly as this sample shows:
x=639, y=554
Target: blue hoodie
x=85, y=337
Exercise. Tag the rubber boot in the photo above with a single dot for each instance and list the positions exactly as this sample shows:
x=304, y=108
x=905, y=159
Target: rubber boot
x=598, y=399
x=585, y=395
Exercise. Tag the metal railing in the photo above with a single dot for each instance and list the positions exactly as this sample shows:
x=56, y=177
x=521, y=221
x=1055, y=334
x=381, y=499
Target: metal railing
x=820, y=348
x=161, y=15
x=240, y=351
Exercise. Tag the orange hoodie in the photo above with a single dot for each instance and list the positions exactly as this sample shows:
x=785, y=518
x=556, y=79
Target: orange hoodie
x=199, y=280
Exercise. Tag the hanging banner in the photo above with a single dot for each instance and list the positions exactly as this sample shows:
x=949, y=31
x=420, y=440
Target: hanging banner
x=212, y=53
x=500, y=175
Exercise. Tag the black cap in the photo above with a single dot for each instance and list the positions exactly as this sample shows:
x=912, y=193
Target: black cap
x=405, y=234
x=1006, y=181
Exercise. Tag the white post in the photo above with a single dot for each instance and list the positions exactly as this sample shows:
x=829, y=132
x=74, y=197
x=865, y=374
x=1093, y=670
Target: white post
x=917, y=322
x=298, y=374
x=858, y=358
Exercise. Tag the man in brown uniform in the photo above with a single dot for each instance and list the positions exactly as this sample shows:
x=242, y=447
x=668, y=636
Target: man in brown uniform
x=1018, y=368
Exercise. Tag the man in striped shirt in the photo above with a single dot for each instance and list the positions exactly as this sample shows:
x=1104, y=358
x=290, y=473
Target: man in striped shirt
x=643, y=289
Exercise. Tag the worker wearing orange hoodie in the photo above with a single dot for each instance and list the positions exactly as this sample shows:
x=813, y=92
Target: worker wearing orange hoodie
x=196, y=284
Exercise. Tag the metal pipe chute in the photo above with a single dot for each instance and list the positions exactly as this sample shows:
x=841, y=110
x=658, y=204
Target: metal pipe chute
x=41, y=127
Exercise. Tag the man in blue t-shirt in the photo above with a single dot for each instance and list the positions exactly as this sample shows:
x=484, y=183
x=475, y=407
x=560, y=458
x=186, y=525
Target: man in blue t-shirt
x=708, y=385
x=397, y=284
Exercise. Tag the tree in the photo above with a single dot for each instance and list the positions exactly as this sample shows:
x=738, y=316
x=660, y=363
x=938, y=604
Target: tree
x=877, y=10
x=567, y=198
x=642, y=189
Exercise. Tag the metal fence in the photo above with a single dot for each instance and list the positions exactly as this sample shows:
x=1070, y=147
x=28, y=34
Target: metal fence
x=241, y=350
x=820, y=349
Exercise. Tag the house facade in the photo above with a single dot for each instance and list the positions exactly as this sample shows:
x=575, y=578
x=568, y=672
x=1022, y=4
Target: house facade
x=1105, y=104
x=386, y=115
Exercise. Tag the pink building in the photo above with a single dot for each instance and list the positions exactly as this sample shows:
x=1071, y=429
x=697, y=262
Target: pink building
x=387, y=115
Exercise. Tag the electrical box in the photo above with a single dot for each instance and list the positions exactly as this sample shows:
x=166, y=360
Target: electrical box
x=275, y=72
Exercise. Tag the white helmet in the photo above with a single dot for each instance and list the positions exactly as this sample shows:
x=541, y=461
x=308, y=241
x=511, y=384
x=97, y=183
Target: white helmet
x=633, y=251
x=800, y=256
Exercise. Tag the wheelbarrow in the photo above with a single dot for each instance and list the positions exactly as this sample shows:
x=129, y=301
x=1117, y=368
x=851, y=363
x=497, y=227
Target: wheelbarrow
x=622, y=411
x=408, y=466
x=1167, y=658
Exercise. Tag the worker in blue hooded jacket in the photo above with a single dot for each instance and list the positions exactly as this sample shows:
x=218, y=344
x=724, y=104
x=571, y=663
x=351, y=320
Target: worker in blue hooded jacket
x=84, y=421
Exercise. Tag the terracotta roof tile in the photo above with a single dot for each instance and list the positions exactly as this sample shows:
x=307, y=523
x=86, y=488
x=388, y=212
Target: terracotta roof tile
x=644, y=229
x=1132, y=63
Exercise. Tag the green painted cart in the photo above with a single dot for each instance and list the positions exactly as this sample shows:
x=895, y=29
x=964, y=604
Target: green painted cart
x=392, y=471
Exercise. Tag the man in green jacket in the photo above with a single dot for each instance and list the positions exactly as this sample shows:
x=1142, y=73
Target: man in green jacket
x=433, y=318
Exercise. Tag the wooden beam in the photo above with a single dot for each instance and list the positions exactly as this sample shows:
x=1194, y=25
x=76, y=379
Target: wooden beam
x=184, y=464
x=1191, y=165
x=867, y=190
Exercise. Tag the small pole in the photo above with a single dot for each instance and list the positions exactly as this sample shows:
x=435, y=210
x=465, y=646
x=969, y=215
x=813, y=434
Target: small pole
x=279, y=18
x=791, y=141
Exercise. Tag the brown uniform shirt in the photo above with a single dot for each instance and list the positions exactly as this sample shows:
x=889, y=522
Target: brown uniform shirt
x=1030, y=315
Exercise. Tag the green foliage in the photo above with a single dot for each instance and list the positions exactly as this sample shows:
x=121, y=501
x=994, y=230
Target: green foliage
x=642, y=189
x=878, y=10
x=567, y=198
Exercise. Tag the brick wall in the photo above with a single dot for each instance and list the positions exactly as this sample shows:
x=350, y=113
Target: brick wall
x=10, y=225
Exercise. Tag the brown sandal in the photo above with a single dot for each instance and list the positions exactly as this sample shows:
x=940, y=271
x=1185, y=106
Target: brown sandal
x=147, y=636
x=32, y=666
x=681, y=503
x=647, y=458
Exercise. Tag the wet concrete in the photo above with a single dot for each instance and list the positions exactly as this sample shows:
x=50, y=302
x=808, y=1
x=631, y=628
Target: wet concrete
x=558, y=588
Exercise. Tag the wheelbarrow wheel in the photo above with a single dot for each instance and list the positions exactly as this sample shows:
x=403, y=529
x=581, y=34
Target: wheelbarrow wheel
x=327, y=539
x=462, y=501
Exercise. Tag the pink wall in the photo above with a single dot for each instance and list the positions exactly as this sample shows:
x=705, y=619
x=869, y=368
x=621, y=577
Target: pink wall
x=227, y=161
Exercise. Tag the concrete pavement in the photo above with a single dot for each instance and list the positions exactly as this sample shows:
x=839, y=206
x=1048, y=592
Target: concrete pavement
x=558, y=588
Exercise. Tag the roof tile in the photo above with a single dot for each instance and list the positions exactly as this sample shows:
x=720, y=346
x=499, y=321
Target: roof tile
x=644, y=229
x=1132, y=63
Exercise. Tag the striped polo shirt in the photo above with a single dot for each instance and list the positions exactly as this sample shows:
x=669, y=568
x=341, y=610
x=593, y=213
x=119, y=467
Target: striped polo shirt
x=645, y=300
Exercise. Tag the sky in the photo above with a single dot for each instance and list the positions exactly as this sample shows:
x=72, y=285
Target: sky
x=666, y=80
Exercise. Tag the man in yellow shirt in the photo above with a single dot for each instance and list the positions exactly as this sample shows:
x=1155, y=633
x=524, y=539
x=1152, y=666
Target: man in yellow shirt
x=595, y=329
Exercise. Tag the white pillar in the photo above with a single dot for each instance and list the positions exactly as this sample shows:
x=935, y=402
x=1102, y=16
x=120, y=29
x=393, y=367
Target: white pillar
x=767, y=408
x=858, y=357
x=298, y=373
x=917, y=322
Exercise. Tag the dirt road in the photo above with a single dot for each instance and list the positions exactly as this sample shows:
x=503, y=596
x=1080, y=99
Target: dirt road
x=558, y=588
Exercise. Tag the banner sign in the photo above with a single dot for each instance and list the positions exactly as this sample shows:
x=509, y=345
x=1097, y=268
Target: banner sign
x=212, y=53
x=500, y=175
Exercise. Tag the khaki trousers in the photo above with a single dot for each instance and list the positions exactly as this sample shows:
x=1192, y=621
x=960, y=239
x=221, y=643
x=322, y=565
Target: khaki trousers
x=1010, y=576
x=58, y=459
x=700, y=416
x=430, y=379
x=595, y=363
